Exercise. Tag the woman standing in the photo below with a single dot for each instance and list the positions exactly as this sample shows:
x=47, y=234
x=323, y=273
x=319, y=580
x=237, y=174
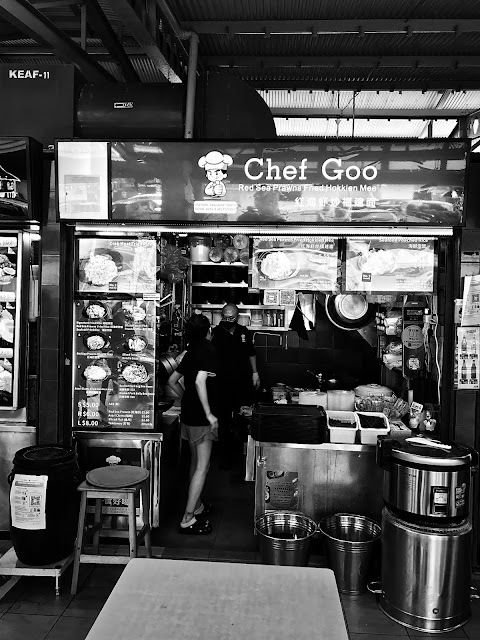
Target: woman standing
x=199, y=424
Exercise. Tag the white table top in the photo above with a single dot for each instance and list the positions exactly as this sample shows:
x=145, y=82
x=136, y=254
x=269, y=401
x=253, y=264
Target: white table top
x=158, y=599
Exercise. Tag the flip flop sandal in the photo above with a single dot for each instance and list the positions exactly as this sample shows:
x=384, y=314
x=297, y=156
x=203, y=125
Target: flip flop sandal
x=207, y=510
x=196, y=528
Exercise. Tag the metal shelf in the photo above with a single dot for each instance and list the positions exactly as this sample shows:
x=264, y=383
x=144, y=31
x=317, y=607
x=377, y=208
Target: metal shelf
x=240, y=306
x=219, y=264
x=223, y=285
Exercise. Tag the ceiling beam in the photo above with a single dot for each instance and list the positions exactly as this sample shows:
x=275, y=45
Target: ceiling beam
x=30, y=21
x=317, y=27
x=338, y=62
x=140, y=32
x=98, y=21
x=357, y=84
x=410, y=113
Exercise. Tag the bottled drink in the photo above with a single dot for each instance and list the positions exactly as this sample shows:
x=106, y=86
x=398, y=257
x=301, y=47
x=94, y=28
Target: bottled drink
x=464, y=343
x=463, y=373
x=473, y=371
x=280, y=318
x=474, y=346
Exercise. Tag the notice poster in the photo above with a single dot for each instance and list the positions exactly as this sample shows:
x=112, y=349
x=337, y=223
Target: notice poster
x=466, y=374
x=82, y=180
x=28, y=500
x=109, y=265
x=390, y=264
x=114, y=364
x=281, y=490
x=470, y=312
x=296, y=262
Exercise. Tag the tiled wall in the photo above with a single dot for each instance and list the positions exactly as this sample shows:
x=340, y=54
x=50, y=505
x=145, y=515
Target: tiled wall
x=49, y=328
x=334, y=352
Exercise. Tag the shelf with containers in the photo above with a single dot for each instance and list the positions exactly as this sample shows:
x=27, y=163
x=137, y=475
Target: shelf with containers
x=212, y=284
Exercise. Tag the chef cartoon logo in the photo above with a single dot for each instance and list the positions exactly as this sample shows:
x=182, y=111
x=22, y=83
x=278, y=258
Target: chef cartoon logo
x=215, y=164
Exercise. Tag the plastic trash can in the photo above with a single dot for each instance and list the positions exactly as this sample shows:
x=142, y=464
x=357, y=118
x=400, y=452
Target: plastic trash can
x=350, y=542
x=285, y=538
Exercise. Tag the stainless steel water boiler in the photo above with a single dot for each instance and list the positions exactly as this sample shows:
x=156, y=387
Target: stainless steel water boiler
x=426, y=533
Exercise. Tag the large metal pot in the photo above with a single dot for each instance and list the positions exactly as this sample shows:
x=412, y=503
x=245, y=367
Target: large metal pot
x=426, y=573
x=425, y=480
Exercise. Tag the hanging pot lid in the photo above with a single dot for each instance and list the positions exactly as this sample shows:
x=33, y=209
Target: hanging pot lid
x=349, y=311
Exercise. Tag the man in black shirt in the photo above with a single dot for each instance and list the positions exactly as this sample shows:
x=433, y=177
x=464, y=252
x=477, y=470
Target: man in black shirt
x=239, y=376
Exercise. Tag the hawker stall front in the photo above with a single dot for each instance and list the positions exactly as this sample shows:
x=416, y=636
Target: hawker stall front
x=341, y=258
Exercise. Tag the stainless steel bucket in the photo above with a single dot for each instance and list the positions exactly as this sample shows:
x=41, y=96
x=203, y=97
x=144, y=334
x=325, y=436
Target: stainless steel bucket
x=350, y=541
x=285, y=538
x=426, y=573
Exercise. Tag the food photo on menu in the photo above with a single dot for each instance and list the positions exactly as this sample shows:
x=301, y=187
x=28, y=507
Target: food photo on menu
x=382, y=264
x=116, y=265
x=295, y=263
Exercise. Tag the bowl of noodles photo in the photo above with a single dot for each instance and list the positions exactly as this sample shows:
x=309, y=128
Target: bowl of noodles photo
x=100, y=268
x=95, y=310
x=135, y=373
x=96, y=341
x=279, y=265
x=136, y=343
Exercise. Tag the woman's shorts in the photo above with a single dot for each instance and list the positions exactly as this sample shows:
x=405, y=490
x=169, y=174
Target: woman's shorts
x=197, y=435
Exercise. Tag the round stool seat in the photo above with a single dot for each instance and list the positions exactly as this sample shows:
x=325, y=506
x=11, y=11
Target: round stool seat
x=116, y=476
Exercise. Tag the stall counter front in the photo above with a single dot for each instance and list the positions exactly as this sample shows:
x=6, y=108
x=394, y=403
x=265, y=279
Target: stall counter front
x=318, y=480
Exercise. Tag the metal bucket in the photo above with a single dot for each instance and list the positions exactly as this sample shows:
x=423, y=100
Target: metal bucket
x=350, y=541
x=285, y=538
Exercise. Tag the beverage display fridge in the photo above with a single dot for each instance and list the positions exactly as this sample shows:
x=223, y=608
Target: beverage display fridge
x=20, y=213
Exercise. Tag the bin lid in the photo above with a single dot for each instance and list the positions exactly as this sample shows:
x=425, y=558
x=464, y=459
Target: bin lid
x=43, y=456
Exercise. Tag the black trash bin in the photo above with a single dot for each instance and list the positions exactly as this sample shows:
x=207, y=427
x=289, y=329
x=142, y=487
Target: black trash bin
x=56, y=541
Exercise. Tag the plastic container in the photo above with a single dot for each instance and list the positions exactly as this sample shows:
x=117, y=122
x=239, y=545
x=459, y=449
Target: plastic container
x=345, y=434
x=200, y=248
x=368, y=435
x=38, y=547
x=340, y=400
x=285, y=538
x=350, y=542
x=317, y=398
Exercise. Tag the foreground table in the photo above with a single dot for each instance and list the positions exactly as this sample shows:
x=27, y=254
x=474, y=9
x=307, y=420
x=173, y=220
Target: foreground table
x=158, y=599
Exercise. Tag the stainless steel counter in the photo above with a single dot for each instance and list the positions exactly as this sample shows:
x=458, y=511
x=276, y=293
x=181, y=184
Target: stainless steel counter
x=318, y=480
x=143, y=448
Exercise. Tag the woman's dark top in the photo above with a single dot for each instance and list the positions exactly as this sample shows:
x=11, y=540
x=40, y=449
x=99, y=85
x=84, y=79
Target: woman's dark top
x=199, y=357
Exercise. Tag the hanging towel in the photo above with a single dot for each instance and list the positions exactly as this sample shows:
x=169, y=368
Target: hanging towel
x=297, y=323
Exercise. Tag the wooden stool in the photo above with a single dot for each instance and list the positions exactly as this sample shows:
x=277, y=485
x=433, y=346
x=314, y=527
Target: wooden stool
x=99, y=494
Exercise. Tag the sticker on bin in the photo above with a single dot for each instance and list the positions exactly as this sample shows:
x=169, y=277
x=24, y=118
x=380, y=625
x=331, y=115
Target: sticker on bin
x=27, y=501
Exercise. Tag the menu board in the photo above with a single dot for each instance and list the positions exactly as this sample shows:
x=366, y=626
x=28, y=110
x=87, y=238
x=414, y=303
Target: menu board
x=10, y=268
x=390, y=264
x=295, y=262
x=114, y=364
x=116, y=265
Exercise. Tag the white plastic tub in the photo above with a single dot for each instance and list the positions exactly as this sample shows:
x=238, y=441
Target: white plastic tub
x=368, y=435
x=344, y=434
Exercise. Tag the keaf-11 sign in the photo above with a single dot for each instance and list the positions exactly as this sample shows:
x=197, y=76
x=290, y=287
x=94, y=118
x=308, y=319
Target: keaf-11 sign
x=396, y=182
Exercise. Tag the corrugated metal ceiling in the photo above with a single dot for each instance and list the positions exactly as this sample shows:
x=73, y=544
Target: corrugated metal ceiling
x=273, y=63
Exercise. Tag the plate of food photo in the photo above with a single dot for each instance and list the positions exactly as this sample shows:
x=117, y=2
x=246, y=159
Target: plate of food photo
x=135, y=373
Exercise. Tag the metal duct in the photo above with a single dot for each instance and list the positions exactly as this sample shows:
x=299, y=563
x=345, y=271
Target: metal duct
x=130, y=110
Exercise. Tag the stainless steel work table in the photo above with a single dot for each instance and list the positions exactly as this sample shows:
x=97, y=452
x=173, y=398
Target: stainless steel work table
x=329, y=478
x=157, y=599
